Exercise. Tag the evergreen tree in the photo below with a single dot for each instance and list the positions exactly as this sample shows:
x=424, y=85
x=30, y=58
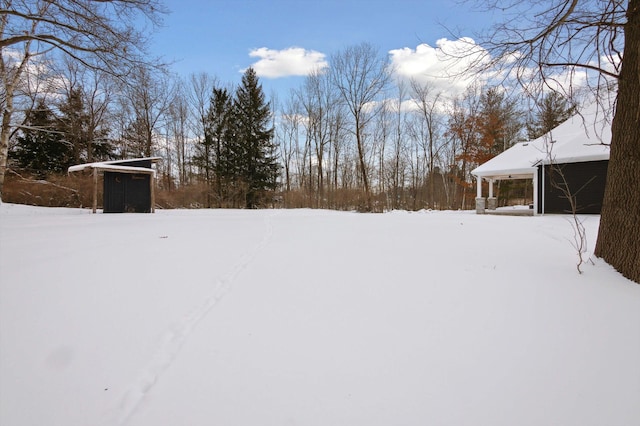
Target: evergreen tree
x=554, y=110
x=203, y=158
x=41, y=148
x=219, y=132
x=82, y=130
x=135, y=140
x=499, y=123
x=73, y=124
x=212, y=153
x=252, y=157
x=237, y=155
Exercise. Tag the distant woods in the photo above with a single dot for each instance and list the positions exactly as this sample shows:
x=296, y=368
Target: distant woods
x=349, y=137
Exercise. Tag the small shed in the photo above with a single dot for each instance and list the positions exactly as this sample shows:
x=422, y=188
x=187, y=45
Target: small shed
x=570, y=159
x=128, y=185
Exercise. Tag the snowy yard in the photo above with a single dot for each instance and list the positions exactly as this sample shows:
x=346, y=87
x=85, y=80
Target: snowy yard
x=311, y=318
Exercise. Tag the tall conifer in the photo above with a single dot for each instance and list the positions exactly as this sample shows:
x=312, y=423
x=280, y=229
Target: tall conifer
x=254, y=151
x=553, y=110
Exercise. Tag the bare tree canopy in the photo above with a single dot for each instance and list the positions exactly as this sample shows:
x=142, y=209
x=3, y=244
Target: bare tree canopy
x=360, y=74
x=96, y=32
x=547, y=41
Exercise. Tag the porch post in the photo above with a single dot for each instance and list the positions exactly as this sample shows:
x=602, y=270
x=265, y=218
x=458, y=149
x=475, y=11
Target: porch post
x=491, y=201
x=535, y=193
x=152, y=188
x=479, y=199
x=95, y=190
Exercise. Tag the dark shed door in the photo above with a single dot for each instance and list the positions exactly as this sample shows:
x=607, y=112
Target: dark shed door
x=585, y=181
x=114, y=192
x=137, y=194
x=127, y=193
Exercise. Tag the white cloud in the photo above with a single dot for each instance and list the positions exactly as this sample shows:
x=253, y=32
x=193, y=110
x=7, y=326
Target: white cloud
x=38, y=76
x=453, y=65
x=293, y=61
x=443, y=66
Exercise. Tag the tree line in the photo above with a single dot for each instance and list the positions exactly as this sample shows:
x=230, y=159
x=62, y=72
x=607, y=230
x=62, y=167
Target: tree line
x=331, y=143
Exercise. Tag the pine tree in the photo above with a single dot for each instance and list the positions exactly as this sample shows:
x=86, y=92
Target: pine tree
x=553, y=110
x=73, y=124
x=135, y=140
x=498, y=122
x=218, y=132
x=41, y=148
x=212, y=155
x=203, y=160
x=81, y=129
x=252, y=152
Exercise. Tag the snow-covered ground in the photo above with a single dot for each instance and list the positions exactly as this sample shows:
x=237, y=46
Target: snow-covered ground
x=312, y=318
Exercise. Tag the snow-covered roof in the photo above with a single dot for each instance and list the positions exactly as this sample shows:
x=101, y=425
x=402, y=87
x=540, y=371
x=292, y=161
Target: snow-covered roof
x=115, y=165
x=583, y=137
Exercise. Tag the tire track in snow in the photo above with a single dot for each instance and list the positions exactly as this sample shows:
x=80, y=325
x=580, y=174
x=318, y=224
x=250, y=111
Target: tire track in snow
x=174, y=338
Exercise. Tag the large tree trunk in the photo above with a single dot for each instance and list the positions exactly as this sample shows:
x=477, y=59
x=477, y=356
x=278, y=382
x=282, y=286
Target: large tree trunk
x=619, y=234
x=9, y=83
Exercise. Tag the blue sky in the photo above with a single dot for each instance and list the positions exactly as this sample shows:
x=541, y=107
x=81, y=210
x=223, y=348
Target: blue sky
x=283, y=38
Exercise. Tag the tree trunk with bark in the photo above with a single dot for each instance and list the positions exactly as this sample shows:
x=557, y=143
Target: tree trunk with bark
x=10, y=80
x=619, y=234
x=5, y=131
x=363, y=167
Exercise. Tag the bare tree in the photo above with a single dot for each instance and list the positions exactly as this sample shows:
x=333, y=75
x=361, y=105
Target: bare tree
x=396, y=171
x=462, y=130
x=320, y=102
x=360, y=74
x=288, y=136
x=98, y=97
x=382, y=128
x=35, y=85
x=96, y=91
x=99, y=34
x=601, y=37
x=338, y=142
x=427, y=101
x=150, y=96
x=201, y=90
x=178, y=124
x=568, y=190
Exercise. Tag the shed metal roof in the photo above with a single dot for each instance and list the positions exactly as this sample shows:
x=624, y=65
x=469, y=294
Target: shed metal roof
x=116, y=165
